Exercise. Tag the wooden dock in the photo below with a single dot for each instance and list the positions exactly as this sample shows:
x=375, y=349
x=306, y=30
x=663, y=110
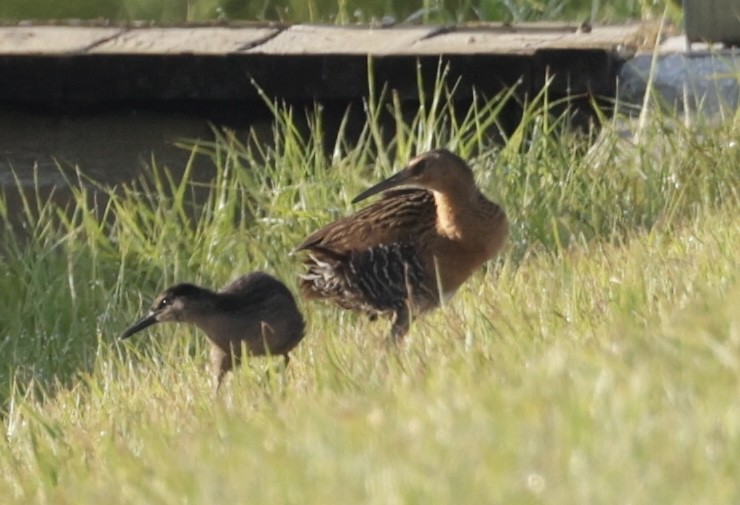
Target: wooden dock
x=109, y=98
x=64, y=65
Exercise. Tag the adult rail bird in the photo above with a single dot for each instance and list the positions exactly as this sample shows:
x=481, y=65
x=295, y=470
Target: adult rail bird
x=413, y=248
x=256, y=311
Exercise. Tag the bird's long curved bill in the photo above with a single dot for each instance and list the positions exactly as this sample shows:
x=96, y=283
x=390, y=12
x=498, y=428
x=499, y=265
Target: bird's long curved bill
x=391, y=182
x=139, y=325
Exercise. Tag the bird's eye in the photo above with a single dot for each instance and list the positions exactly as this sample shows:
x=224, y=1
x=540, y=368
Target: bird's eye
x=165, y=302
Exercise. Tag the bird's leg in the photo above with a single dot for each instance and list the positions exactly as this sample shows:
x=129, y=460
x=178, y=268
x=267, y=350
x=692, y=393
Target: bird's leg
x=286, y=361
x=218, y=379
x=402, y=319
x=409, y=288
x=267, y=333
x=221, y=363
x=401, y=324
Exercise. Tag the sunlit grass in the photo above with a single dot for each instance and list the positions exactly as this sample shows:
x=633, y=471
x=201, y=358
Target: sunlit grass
x=596, y=361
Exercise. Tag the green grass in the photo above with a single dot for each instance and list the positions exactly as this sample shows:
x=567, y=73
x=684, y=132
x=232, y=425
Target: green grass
x=597, y=361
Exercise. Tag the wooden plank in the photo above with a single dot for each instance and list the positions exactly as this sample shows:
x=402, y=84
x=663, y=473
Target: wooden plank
x=484, y=42
x=210, y=40
x=312, y=39
x=524, y=41
x=51, y=40
x=300, y=63
x=429, y=40
x=322, y=40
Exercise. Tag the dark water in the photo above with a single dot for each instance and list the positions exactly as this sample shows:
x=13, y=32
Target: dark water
x=40, y=150
x=120, y=144
x=108, y=146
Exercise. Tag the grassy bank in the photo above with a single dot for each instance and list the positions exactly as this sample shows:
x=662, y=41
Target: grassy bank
x=597, y=361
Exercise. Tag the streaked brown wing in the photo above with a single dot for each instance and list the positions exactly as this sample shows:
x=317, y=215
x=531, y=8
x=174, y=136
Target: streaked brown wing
x=399, y=216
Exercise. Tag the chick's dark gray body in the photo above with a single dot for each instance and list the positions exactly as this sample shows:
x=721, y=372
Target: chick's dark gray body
x=255, y=311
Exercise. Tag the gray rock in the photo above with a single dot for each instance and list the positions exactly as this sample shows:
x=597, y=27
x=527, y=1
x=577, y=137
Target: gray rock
x=703, y=82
